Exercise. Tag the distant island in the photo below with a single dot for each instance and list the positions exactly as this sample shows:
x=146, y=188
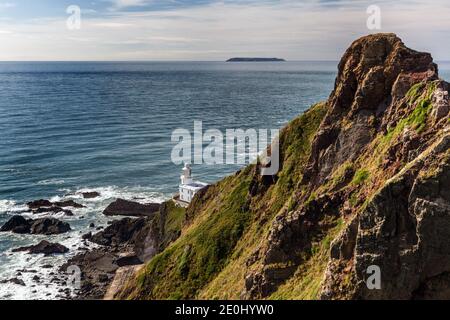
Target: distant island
x=256, y=60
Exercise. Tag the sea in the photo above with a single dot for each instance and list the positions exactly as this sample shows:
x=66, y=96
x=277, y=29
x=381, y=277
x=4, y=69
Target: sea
x=73, y=127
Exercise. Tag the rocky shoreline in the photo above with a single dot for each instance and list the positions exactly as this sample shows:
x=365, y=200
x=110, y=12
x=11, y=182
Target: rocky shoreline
x=123, y=245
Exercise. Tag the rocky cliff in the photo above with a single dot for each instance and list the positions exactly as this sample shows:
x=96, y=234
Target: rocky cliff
x=364, y=181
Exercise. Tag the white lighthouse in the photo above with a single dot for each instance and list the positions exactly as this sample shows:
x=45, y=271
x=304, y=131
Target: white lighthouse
x=189, y=187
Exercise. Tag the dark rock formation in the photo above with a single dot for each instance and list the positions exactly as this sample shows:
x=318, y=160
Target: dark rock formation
x=43, y=206
x=17, y=224
x=91, y=195
x=119, y=232
x=68, y=203
x=122, y=207
x=369, y=79
x=98, y=268
x=403, y=231
x=48, y=226
x=17, y=281
x=44, y=247
x=33, y=205
x=44, y=226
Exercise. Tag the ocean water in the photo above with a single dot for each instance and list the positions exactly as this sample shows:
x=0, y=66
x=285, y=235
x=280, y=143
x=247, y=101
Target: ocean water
x=73, y=127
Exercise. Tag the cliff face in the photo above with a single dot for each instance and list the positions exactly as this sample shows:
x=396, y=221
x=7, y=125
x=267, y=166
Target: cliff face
x=364, y=181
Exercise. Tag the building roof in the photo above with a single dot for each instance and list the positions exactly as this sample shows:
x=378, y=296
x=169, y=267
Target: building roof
x=194, y=186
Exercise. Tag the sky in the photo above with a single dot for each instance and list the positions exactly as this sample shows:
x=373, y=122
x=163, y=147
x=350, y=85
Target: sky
x=210, y=30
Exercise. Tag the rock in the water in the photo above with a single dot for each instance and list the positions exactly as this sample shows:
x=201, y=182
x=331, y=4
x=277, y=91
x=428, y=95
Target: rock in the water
x=45, y=226
x=42, y=206
x=17, y=224
x=68, y=203
x=17, y=281
x=122, y=207
x=90, y=195
x=87, y=236
x=53, y=210
x=33, y=205
x=49, y=226
x=45, y=247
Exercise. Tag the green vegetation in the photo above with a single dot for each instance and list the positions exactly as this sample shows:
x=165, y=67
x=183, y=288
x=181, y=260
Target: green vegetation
x=420, y=96
x=415, y=92
x=175, y=217
x=295, y=148
x=360, y=177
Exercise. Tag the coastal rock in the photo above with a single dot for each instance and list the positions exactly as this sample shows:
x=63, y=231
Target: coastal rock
x=17, y=224
x=122, y=207
x=53, y=209
x=87, y=236
x=363, y=91
x=46, y=206
x=48, y=226
x=94, y=265
x=403, y=231
x=120, y=232
x=68, y=203
x=17, y=281
x=44, y=226
x=91, y=195
x=33, y=205
x=44, y=247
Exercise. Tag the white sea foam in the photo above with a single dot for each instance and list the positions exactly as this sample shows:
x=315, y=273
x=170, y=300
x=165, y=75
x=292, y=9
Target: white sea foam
x=10, y=206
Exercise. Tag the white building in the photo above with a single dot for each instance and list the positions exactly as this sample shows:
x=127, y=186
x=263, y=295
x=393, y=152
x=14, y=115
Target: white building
x=189, y=187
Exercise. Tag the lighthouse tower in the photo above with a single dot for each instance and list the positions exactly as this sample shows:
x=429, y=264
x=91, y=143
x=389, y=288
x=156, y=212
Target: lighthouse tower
x=186, y=177
x=189, y=187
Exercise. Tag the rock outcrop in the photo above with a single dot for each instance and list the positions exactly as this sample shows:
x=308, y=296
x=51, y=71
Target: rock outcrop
x=46, y=206
x=43, y=226
x=127, y=208
x=44, y=247
x=125, y=245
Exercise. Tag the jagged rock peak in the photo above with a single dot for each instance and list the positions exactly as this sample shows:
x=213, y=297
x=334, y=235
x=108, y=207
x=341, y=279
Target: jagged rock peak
x=375, y=73
x=375, y=68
